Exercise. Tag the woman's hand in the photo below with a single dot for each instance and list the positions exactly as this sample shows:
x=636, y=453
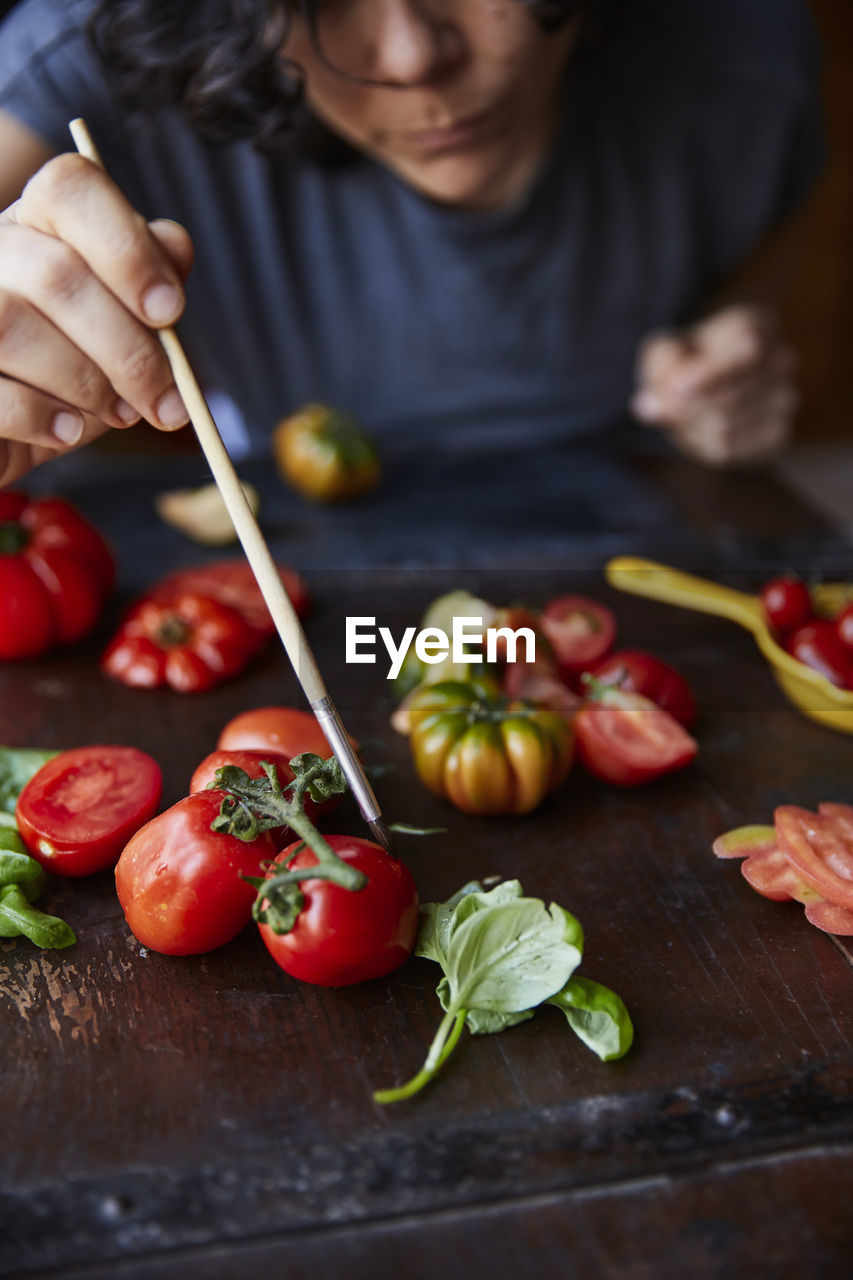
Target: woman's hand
x=83, y=279
x=723, y=390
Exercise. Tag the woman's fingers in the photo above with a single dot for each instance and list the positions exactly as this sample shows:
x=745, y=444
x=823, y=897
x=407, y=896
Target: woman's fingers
x=73, y=200
x=62, y=330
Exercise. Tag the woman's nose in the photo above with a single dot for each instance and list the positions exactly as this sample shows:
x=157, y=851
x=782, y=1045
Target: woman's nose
x=413, y=42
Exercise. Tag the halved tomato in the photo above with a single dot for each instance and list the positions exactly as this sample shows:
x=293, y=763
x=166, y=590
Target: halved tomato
x=626, y=739
x=580, y=631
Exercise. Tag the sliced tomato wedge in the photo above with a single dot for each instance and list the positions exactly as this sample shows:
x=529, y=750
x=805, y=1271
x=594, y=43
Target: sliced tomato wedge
x=821, y=849
x=829, y=917
x=772, y=874
x=626, y=739
x=233, y=583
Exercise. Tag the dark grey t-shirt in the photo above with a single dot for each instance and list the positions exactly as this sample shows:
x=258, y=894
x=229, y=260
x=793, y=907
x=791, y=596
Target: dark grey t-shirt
x=681, y=141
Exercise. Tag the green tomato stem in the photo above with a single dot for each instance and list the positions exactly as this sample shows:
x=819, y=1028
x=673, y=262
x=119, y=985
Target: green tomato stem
x=444, y=1042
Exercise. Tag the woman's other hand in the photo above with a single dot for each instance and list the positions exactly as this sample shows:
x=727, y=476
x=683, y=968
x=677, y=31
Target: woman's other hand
x=83, y=280
x=723, y=390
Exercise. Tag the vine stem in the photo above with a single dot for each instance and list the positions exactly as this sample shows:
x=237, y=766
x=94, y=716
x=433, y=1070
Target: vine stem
x=444, y=1042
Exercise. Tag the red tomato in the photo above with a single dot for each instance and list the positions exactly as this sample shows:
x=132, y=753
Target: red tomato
x=636, y=671
x=580, y=631
x=179, y=883
x=78, y=811
x=282, y=729
x=55, y=573
x=626, y=739
x=189, y=642
x=539, y=682
x=233, y=582
x=844, y=627
x=340, y=936
x=817, y=645
x=251, y=763
x=787, y=603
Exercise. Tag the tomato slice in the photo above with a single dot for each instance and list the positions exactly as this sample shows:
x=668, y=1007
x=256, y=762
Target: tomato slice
x=820, y=846
x=628, y=740
x=80, y=809
x=233, y=582
x=580, y=631
x=829, y=917
x=772, y=874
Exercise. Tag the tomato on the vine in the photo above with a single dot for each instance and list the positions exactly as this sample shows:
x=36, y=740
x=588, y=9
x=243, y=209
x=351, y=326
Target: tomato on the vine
x=343, y=936
x=189, y=642
x=580, y=631
x=252, y=762
x=78, y=811
x=180, y=884
x=628, y=740
x=55, y=573
x=635, y=671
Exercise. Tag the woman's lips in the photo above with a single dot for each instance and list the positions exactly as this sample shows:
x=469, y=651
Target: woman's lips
x=452, y=137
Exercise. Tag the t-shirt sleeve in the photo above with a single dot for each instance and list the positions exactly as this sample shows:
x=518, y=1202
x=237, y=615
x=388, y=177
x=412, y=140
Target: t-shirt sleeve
x=48, y=72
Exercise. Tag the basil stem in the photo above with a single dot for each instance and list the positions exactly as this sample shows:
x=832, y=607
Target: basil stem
x=445, y=1041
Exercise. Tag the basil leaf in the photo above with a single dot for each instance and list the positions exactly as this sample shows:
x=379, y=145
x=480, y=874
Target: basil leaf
x=17, y=766
x=439, y=919
x=509, y=958
x=597, y=1015
x=484, y=1022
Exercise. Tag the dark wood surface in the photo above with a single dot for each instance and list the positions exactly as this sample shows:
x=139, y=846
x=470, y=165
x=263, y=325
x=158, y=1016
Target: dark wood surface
x=208, y=1115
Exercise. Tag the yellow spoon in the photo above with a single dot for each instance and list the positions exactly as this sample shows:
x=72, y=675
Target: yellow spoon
x=811, y=692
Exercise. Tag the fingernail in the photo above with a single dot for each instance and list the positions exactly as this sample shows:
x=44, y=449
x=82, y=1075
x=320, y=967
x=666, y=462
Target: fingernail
x=162, y=303
x=126, y=412
x=171, y=411
x=67, y=427
x=646, y=406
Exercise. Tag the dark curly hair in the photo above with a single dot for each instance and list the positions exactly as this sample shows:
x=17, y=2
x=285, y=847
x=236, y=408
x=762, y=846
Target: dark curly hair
x=219, y=60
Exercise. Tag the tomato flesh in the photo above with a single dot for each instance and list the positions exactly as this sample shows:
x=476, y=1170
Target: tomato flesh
x=628, y=740
x=342, y=937
x=78, y=811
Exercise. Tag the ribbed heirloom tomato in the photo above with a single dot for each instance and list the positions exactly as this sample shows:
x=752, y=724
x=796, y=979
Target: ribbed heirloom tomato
x=55, y=573
x=484, y=753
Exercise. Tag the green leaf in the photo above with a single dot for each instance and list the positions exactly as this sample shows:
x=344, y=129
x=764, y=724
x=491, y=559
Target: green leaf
x=17, y=766
x=509, y=958
x=597, y=1015
x=326, y=777
x=438, y=919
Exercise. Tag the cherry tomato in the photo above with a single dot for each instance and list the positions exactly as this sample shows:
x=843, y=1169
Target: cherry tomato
x=636, y=671
x=580, y=631
x=233, y=583
x=286, y=730
x=340, y=936
x=817, y=645
x=844, y=627
x=189, y=642
x=626, y=739
x=180, y=884
x=787, y=603
x=55, y=573
x=79, y=810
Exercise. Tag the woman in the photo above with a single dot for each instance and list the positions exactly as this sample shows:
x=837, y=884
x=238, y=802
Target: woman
x=487, y=212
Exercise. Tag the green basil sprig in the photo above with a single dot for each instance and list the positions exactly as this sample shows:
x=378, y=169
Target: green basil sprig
x=22, y=880
x=503, y=955
x=17, y=766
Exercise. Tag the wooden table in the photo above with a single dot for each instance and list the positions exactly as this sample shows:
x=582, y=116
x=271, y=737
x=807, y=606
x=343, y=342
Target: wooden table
x=208, y=1116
